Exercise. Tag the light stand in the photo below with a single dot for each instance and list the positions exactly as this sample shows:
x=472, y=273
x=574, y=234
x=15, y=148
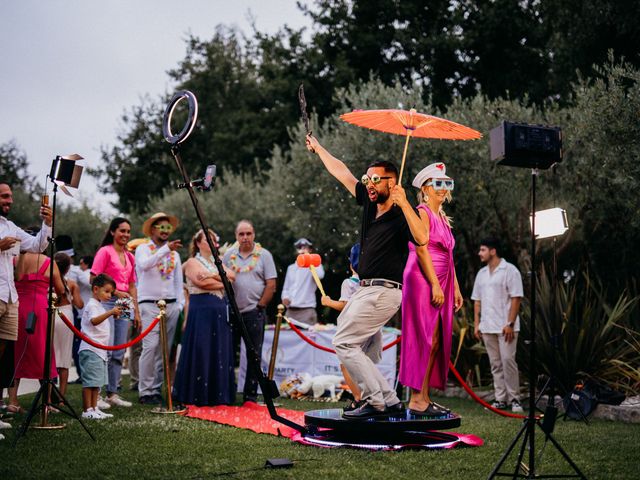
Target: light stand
x=63, y=172
x=268, y=387
x=535, y=147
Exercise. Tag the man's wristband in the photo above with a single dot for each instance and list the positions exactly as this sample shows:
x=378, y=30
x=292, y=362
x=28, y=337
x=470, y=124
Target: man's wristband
x=511, y=324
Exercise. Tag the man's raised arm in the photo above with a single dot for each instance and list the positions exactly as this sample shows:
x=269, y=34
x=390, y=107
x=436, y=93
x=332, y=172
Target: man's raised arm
x=334, y=166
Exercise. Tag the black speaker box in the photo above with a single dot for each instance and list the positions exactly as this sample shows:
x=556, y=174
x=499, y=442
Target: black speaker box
x=526, y=146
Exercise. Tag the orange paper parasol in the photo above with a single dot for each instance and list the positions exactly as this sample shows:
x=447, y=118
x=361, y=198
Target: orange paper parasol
x=410, y=124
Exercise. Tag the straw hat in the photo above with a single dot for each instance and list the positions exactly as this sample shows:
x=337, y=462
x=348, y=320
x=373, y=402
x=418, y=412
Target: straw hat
x=146, y=226
x=435, y=170
x=135, y=243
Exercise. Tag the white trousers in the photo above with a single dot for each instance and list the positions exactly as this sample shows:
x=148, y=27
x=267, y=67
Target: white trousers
x=504, y=369
x=363, y=316
x=150, y=365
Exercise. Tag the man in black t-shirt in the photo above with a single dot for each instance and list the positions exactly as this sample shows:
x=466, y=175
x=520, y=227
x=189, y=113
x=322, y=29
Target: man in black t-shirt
x=389, y=222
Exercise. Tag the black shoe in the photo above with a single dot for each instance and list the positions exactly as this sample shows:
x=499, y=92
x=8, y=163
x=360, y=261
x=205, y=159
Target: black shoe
x=442, y=407
x=158, y=397
x=433, y=410
x=397, y=409
x=149, y=400
x=364, y=412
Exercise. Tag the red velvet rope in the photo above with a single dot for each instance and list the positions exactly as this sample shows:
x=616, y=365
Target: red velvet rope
x=464, y=385
x=327, y=349
x=107, y=347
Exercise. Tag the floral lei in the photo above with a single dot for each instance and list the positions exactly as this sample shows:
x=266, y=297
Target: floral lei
x=168, y=264
x=255, y=256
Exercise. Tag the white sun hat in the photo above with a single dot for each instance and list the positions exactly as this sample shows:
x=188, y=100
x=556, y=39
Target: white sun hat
x=435, y=170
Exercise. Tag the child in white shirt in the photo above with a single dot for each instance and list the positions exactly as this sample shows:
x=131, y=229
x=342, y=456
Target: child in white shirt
x=93, y=360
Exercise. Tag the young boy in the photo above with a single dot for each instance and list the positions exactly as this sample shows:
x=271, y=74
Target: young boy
x=93, y=361
x=348, y=288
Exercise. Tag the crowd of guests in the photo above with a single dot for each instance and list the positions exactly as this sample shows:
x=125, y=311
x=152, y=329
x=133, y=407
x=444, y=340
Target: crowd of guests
x=113, y=296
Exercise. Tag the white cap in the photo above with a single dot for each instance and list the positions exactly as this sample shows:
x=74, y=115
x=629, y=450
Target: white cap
x=435, y=170
x=302, y=242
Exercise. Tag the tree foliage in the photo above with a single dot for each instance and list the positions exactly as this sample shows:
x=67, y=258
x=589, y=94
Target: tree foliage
x=13, y=167
x=529, y=50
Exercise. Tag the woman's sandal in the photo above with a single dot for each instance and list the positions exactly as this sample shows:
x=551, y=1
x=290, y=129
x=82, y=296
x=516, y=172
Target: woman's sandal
x=14, y=409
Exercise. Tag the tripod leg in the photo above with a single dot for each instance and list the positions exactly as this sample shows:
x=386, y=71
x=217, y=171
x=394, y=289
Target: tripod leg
x=523, y=447
x=566, y=456
x=495, y=470
x=73, y=413
x=30, y=414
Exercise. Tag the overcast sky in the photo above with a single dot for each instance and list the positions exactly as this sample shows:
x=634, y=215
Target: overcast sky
x=71, y=67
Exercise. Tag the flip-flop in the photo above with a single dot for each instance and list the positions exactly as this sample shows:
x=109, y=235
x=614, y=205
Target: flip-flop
x=14, y=409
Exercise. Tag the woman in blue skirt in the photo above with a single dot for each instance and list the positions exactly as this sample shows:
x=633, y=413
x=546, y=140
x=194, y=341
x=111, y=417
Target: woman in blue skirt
x=205, y=374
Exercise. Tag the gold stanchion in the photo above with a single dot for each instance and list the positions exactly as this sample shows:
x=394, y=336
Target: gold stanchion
x=162, y=305
x=274, y=344
x=44, y=409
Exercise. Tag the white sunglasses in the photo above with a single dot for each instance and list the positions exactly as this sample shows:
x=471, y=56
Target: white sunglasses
x=441, y=183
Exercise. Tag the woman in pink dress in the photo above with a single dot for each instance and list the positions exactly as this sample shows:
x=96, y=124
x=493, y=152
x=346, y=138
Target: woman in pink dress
x=32, y=284
x=430, y=294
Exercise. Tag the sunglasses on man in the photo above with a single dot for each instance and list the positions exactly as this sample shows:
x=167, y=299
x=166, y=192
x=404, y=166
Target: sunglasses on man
x=440, y=183
x=165, y=227
x=375, y=179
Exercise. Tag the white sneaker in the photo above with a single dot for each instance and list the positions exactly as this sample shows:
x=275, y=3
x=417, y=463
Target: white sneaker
x=1, y=436
x=116, y=401
x=102, y=405
x=91, y=414
x=4, y=425
x=516, y=407
x=101, y=413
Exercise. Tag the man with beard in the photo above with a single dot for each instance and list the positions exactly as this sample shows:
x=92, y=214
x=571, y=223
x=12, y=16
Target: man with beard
x=159, y=278
x=13, y=240
x=389, y=222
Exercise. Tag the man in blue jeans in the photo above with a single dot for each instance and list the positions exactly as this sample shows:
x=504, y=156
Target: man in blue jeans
x=254, y=288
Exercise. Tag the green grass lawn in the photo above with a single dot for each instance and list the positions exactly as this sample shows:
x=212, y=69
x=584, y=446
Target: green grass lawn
x=138, y=444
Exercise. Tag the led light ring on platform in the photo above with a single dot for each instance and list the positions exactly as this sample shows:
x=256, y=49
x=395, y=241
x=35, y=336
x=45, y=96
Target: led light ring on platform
x=191, y=120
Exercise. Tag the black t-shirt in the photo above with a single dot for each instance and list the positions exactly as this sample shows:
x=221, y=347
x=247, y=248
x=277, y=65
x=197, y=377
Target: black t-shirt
x=383, y=240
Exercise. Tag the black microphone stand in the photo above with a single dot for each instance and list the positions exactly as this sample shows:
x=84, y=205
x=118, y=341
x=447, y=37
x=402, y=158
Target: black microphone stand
x=48, y=388
x=269, y=387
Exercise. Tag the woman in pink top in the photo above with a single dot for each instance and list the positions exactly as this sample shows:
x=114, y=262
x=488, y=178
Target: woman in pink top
x=429, y=296
x=113, y=259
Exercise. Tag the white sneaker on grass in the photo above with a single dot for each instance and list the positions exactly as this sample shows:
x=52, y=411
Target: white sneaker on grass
x=4, y=425
x=102, y=414
x=516, y=407
x=102, y=405
x=91, y=414
x=116, y=401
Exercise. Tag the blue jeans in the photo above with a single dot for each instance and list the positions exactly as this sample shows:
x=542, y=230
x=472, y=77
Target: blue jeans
x=119, y=331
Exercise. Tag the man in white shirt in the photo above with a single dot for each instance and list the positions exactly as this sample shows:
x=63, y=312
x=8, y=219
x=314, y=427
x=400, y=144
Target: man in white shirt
x=497, y=292
x=299, y=290
x=159, y=278
x=13, y=240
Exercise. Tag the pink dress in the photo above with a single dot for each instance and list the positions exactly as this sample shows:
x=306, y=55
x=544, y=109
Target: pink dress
x=420, y=317
x=32, y=291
